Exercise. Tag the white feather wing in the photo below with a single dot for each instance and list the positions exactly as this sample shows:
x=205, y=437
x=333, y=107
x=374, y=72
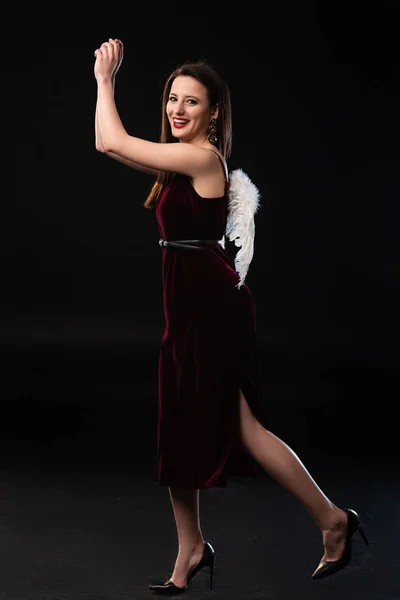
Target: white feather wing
x=244, y=201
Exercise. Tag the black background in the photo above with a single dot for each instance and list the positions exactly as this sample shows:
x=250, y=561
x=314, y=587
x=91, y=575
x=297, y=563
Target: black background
x=315, y=97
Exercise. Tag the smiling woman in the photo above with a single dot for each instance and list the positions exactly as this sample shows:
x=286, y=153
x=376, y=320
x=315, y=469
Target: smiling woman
x=192, y=159
x=189, y=111
x=196, y=109
x=211, y=419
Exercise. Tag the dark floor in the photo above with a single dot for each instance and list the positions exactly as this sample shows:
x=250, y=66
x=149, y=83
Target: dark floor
x=82, y=515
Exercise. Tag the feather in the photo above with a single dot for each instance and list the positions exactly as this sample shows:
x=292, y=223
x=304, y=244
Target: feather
x=242, y=205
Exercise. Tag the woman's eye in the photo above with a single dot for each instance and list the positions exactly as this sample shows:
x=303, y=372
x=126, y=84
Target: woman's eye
x=190, y=100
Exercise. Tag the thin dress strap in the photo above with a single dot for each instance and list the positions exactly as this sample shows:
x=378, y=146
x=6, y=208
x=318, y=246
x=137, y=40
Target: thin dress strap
x=224, y=167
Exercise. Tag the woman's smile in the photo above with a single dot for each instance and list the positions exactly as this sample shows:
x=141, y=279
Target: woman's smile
x=179, y=123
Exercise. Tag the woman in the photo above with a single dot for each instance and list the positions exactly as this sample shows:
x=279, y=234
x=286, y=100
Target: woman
x=210, y=417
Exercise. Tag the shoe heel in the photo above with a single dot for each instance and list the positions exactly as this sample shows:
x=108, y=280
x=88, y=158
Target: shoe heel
x=211, y=575
x=361, y=530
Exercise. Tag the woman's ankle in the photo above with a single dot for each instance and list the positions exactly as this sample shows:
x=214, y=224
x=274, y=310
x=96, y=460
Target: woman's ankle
x=192, y=547
x=334, y=519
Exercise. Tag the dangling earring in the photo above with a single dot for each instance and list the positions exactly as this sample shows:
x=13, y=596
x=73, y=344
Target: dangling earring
x=212, y=128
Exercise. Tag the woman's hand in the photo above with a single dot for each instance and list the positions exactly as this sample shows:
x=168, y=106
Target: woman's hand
x=108, y=59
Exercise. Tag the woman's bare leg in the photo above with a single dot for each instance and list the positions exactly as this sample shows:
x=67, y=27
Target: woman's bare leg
x=286, y=468
x=185, y=503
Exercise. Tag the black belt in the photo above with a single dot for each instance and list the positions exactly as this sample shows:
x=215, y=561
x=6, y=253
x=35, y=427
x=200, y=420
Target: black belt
x=189, y=244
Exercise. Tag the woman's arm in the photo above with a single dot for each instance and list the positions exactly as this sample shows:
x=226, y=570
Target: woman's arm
x=187, y=159
x=100, y=148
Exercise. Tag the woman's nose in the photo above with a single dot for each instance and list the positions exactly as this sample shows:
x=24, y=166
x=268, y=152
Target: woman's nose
x=180, y=109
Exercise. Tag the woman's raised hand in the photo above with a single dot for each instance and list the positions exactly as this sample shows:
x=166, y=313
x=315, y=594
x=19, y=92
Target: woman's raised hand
x=108, y=59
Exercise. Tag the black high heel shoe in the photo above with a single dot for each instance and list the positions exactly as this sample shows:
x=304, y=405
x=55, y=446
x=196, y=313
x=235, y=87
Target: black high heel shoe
x=326, y=568
x=207, y=560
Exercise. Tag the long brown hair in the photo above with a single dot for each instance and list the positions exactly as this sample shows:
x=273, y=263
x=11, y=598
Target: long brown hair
x=218, y=93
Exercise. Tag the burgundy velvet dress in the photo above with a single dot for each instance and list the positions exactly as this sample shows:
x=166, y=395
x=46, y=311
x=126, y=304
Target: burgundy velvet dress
x=208, y=349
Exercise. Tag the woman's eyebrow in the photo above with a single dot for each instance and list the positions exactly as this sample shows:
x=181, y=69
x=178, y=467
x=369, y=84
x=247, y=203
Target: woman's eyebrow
x=187, y=96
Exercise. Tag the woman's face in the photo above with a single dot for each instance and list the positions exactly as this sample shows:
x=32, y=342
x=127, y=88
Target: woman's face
x=188, y=109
